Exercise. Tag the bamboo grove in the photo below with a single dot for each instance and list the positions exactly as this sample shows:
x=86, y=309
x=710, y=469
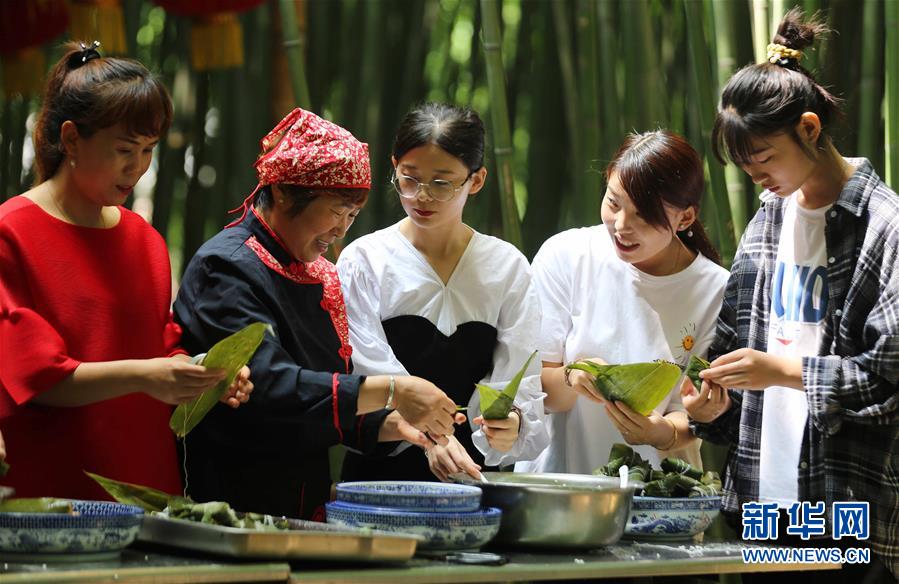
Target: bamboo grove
x=558, y=83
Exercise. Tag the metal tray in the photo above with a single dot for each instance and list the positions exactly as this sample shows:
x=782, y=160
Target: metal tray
x=305, y=540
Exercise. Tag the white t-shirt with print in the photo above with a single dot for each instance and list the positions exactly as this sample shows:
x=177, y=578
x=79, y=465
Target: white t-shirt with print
x=798, y=307
x=596, y=305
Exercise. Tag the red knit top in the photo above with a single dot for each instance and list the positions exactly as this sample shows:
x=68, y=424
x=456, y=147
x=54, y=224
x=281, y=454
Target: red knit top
x=71, y=294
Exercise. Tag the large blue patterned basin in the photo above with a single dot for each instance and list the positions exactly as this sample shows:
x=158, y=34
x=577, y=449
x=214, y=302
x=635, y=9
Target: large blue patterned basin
x=442, y=531
x=671, y=517
x=98, y=527
x=411, y=495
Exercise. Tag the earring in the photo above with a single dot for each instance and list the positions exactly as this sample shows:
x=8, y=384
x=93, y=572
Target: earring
x=690, y=233
x=72, y=163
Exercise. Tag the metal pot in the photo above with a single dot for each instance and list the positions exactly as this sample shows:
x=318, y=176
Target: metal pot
x=556, y=510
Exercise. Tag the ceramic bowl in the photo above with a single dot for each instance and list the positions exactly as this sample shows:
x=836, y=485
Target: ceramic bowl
x=441, y=531
x=671, y=517
x=411, y=496
x=99, y=527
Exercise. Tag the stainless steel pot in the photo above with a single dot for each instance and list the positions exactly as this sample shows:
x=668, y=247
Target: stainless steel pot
x=556, y=510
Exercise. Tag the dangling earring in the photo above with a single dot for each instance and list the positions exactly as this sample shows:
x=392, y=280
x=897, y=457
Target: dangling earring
x=690, y=233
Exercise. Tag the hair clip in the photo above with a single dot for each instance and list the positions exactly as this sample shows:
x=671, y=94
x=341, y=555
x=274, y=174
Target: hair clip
x=89, y=53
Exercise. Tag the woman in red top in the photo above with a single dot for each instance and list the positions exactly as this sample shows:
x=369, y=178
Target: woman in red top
x=89, y=357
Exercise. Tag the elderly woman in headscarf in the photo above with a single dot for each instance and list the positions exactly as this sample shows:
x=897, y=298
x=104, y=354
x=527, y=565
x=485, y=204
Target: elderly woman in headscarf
x=271, y=455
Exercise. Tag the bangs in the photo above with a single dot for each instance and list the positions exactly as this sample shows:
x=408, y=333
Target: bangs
x=356, y=197
x=732, y=139
x=141, y=105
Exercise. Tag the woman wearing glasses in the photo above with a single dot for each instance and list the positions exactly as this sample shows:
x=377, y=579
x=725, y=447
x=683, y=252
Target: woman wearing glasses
x=429, y=296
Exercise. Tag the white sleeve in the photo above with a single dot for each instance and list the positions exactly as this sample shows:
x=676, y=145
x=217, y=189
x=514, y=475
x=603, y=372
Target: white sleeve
x=372, y=354
x=552, y=283
x=517, y=328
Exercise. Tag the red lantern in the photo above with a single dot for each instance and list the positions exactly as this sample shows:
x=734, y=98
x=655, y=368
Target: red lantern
x=216, y=37
x=24, y=27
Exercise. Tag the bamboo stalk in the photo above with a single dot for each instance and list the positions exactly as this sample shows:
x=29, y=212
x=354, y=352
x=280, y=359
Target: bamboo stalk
x=295, y=48
x=870, y=90
x=706, y=101
x=499, y=115
x=761, y=31
x=570, y=94
x=5, y=129
x=589, y=197
x=891, y=97
x=611, y=105
x=726, y=31
x=194, y=216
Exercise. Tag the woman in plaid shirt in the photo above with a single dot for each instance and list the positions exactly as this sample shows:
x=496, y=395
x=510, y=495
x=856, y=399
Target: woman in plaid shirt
x=805, y=386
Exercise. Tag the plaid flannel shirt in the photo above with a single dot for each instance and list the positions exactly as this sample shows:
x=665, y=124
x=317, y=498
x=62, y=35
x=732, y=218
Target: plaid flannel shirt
x=850, y=450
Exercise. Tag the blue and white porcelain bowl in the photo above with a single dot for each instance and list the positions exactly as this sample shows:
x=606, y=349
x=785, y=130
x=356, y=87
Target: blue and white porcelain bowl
x=671, y=517
x=99, y=527
x=442, y=531
x=430, y=497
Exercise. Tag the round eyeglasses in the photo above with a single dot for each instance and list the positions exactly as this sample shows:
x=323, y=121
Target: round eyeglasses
x=438, y=189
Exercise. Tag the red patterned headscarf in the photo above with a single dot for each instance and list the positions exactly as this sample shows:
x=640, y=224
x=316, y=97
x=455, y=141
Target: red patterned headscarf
x=308, y=151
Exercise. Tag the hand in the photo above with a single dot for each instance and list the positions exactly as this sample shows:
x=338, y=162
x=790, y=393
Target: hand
x=706, y=405
x=450, y=459
x=174, y=380
x=2, y=448
x=395, y=428
x=636, y=428
x=585, y=384
x=239, y=391
x=501, y=434
x=753, y=370
x=425, y=406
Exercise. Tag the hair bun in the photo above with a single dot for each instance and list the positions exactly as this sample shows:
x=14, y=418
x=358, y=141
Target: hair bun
x=795, y=33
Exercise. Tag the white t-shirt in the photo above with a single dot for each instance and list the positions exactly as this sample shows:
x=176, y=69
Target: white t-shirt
x=383, y=276
x=596, y=305
x=798, y=307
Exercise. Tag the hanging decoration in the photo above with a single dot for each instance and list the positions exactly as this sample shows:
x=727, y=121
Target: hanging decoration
x=24, y=28
x=216, y=36
x=99, y=20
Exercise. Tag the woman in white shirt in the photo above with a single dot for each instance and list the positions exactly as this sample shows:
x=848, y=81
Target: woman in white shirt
x=432, y=297
x=644, y=285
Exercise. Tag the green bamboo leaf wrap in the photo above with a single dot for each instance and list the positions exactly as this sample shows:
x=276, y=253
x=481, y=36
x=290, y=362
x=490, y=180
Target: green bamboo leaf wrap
x=496, y=405
x=39, y=505
x=230, y=354
x=696, y=365
x=146, y=498
x=642, y=386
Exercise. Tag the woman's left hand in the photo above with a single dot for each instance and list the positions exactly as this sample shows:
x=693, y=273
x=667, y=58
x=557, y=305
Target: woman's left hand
x=636, y=428
x=754, y=370
x=501, y=434
x=239, y=391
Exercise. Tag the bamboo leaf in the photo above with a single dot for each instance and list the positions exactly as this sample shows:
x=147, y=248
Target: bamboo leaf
x=696, y=365
x=642, y=386
x=230, y=354
x=146, y=498
x=496, y=405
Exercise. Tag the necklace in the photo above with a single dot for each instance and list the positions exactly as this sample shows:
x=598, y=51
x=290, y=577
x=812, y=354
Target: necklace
x=69, y=218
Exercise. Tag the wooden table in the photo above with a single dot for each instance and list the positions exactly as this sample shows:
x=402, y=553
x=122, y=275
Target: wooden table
x=623, y=560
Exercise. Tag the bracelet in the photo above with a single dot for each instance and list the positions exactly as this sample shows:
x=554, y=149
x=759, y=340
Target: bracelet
x=568, y=375
x=390, y=391
x=671, y=444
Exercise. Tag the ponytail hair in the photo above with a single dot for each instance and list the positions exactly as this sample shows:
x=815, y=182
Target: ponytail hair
x=661, y=167
x=94, y=93
x=769, y=98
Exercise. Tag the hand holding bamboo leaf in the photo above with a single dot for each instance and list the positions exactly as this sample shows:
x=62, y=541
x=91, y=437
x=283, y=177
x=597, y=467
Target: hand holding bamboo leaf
x=642, y=386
